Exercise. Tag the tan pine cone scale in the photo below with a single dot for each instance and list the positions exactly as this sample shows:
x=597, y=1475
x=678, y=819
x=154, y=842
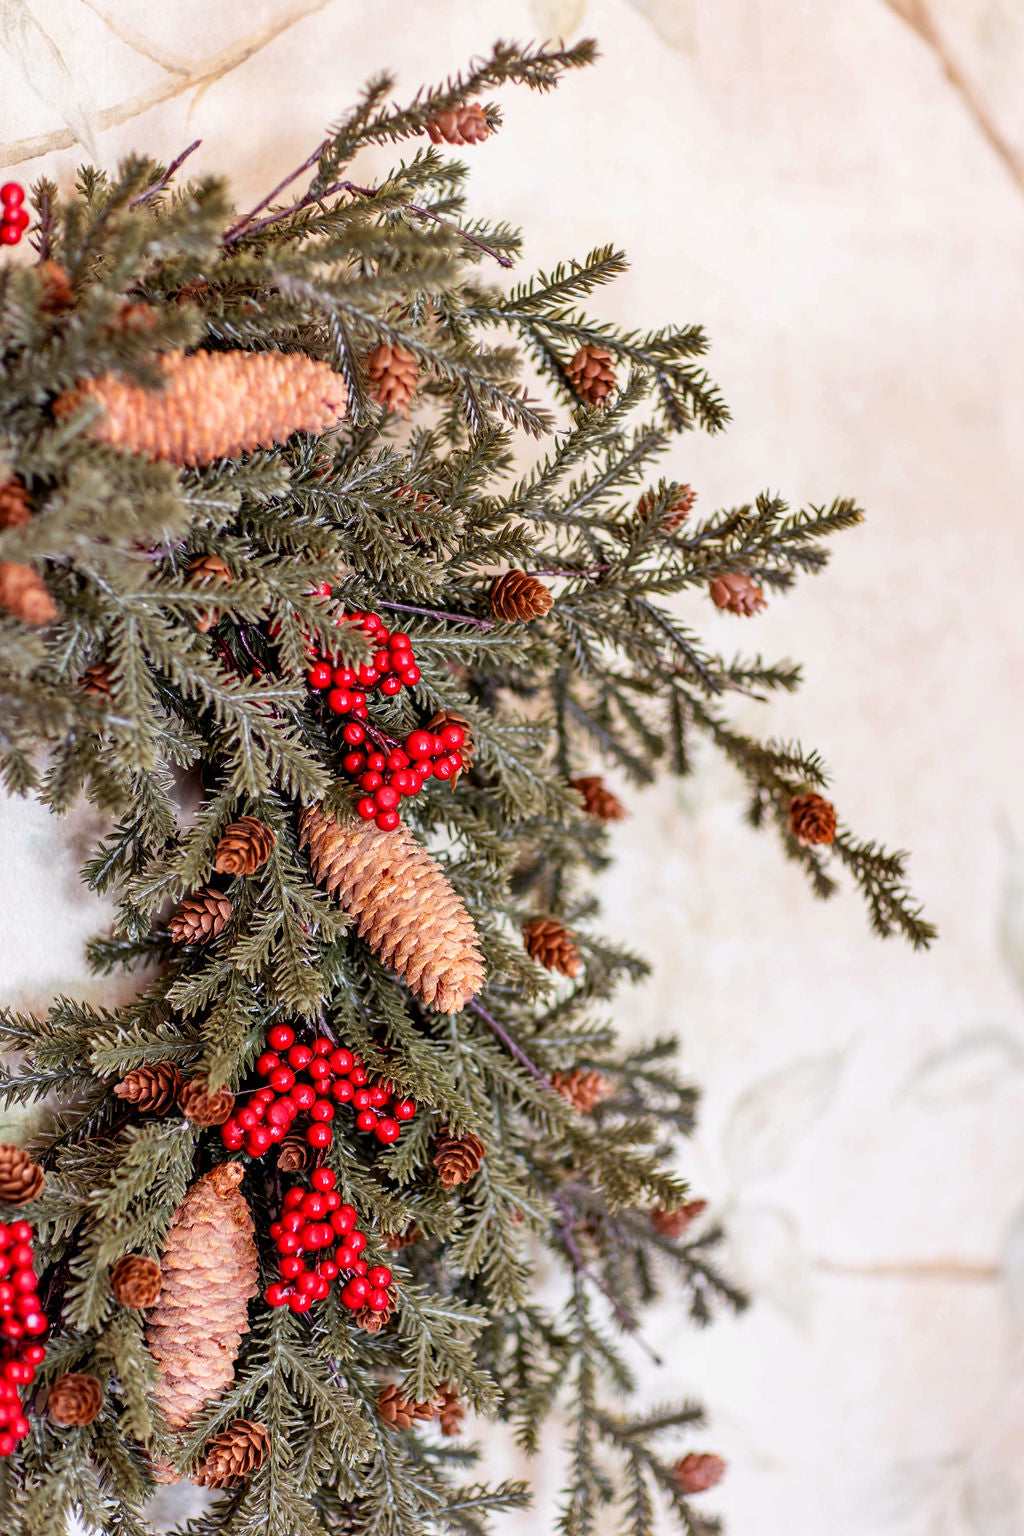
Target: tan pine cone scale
x=591, y=374
x=736, y=592
x=394, y=374
x=462, y=125
x=200, y=917
x=214, y=405
x=24, y=594
x=244, y=845
x=203, y=1107
x=598, y=800
x=551, y=944
x=21, y=1180
x=151, y=1089
x=457, y=1158
x=812, y=820
x=583, y=1088
x=15, y=507
x=407, y=912
x=399, y=1411
x=233, y=1454
x=136, y=1281
x=517, y=598
x=74, y=1400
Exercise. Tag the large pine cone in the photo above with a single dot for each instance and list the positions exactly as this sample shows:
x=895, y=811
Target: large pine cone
x=74, y=1400
x=233, y=1454
x=736, y=592
x=203, y=1107
x=200, y=917
x=673, y=1221
x=591, y=374
x=698, y=1471
x=21, y=1180
x=598, y=800
x=201, y=573
x=551, y=944
x=457, y=1158
x=209, y=1269
x=408, y=913
x=394, y=373
x=399, y=1411
x=677, y=511
x=214, y=405
x=244, y=845
x=136, y=1281
x=518, y=597
x=23, y=593
x=15, y=507
x=812, y=819
x=151, y=1089
x=584, y=1089
x=462, y=125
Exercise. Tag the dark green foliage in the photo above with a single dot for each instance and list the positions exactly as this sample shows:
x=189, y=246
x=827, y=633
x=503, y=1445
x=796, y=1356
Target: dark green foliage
x=223, y=723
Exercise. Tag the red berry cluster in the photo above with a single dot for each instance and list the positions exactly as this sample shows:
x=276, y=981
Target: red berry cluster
x=392, y=666
x=387, y=777
x=21, y=1318
x=312, y=1080
x=312, y=1221
x=13, y=223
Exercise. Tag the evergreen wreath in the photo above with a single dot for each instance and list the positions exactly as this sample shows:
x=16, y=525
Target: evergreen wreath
x=279, y=602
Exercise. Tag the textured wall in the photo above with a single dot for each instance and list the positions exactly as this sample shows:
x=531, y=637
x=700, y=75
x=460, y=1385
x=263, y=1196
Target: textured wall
x=834, y=189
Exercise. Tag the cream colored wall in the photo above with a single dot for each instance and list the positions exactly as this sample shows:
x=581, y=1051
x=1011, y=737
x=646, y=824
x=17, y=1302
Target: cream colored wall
x=848, y=221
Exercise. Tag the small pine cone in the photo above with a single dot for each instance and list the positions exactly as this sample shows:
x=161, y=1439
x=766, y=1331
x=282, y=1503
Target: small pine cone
x=698, y=1471
x=74, y=1400
x=518, y=597
x=677, y=511
x=583, y=1089
x=812, y=819
x=245, y=844
x=449, y=717
x=736, y=592
x=591, y=375
x=233, y=1454
x=399, y=1411
x=96, y=681
x=294, y=1154
x=57, y=295
x=151, y=1089
x=462, y=125
x=21, y=1180
x=23, y=593
x=674, y=1221
x=396, y=1241
x=210, y=1272
x=457, y=1158
x=200, y=917
x=202, y=1107
x=211, y=568
x=15, y=507
x=394, y=374
x=371, y=1321
x=408, y=913
x=135, y=1281
x=598, y=801
x=450, y=1411
x=551, y=944
x=214, y=405
x=135, y=317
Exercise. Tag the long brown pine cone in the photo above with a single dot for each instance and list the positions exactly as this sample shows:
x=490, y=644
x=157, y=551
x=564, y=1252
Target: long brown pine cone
x=736, y=592
x=394, y=374
x=401, y=1412
x=202, y=1106
x=677, y=511
x=200, y=917
x=206, y=571
x=591, y=374
x=15, y=506
x=598, y=799
x=517, y=597
x=244, y=845
x=151, y=1089
x=583, y=1088
x=408, y=913
x=233, y=1454
x=24, y=594
x=551, y=944
x=74, y=1400
x=136, y=1281
x=673, y=1221
x=21, y=1180
x=448, y=717
x=812, y=819
x=457, y=1158
x=462, y=125
x=698, y=1471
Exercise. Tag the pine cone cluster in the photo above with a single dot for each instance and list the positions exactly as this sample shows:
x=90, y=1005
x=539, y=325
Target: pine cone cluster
x=698, y=1471
x=24, y=594
x=200, y=917
x=294, y=1154
x=736, y=592
x=401, y=1412
x=518, y=597
x=153, y=1089
x=591, y=374
x=457, y=1158
x=598, y=800
x=812, y=819
x=214, y=405
x=201, y=1105
x=136, y=1281
x=201, y=573
x=677, y=511
x=551, y=944
x=15, y=507
x=462, y=125
x=244, y=845
x=673, y=1221
x=584, y=1089
x=448, y=717
x=74, y=1400
x=97, y=681
x=408, y=913
x=233, y=1454
x=21, y=1180
x=394, y=374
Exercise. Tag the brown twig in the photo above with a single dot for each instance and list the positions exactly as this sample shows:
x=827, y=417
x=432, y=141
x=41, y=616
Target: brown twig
x=168, y=175
x=439, y=613
x=513, y=1048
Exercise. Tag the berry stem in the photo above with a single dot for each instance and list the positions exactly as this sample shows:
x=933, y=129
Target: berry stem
x=439, y=613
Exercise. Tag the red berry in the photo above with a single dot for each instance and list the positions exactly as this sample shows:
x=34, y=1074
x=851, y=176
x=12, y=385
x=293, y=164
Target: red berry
x=405, y=782
x=339, y=701
x=319, y=1068
x=401, y=657
x=357, y=1076
x=387, y=797
x=20, y=1232
x=291, y=1266
x=367, y=675
x=328, y=1269
x=323, y=1045
x=299, y=1056
x=9, y=235
x=356, y=1240
x=275, y=1295
x=280, y=1037
x=376, y=762
x=399, y=642
x=404, y=1109
x=306, y=1284
x=387, y=1130
x=319, y=675
x=419, y=743
x=303, y=1095
x=359, y=1287
x=370, y=782
x=353, y=763
x=323, y=1109
x=319, y=1136
x=367, y=809
x=397, y=759
x=443, y=769
x=361, y=1099
x=232, y=1136
x=342, y=1091
x=19, y=217
x=391, y=685
x=424, y=768
x=283, y=1078
x=293, y=1198
x=378, y=1096
x=360, y=1266
x=453, y=736
x=343, y=1219
x=341, y=1061
x=380, y=1275
x=377, y=1300
x=366, y=1120
x=354, y=733
x=322, y=1179
x=293, y=1219
x=266, y=1063
x=349, y=1299
x=314, y=1204
x=299, y=1302
x=247, y=1119
x=456, y=759
x=382, y=661
x=8, y=1444
x=12, y=195
x=257, y=1141
x=372, y=621
x=387, y=820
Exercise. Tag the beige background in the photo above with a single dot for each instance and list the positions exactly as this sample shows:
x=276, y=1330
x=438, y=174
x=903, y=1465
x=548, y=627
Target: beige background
x=835, y=189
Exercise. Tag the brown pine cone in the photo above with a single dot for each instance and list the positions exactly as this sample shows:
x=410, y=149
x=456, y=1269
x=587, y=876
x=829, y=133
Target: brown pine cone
x=457, y=1158
x=598, y=800
x=96, y=681
x=583, y=1089
x=551, y=944
x=294, y=1154
x=736, y=592
x=396, y=1241
x=245, y=844
x=448, y=717
x=450, y=1411
x=21, y=1180
x=135, y=1281
x=371, y=1321
x=677, y=511
x=674, y=1221
x=812, y=819
x=399, y=1411
x=200, y=917
x=74, y=1400
x=23, y=593
x=408, y=913
x=462, y=125
x=518, y=597
x=57, y=295
x=394, y=373
x=233, y=1454
x=699, y=1471
x=591, y=375
x=202, y=1107
x=214, y=405
x=210, y=1272
x=201, y=573
x=151, y=1089
x=15, y=507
